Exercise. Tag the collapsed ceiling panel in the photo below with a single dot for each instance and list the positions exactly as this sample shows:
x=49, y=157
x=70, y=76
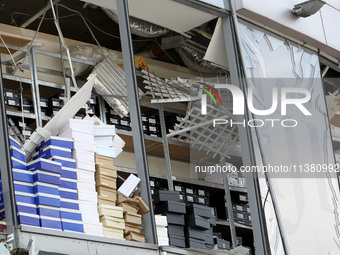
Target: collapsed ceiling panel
x=197, y=129
x=166, y=91
x=169, y=14
x=110, y=83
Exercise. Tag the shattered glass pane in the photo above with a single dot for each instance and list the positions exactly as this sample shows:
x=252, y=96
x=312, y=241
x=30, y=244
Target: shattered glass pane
x=305, y=199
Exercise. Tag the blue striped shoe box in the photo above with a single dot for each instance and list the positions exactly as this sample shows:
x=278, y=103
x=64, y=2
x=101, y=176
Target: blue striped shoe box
x=68, y=183
x=57, y=141
x=46, y=177
x=17, y=153
x=50, y=222
x=22, y=175
x=71, y=220
x=68, y=193
x=69, y=173
x=28, y=219
x=18, y=164
x=65, y=162
x=44, y=165
x=69, y=203
x=51, y=151
x=13, y=142
x=72, y=225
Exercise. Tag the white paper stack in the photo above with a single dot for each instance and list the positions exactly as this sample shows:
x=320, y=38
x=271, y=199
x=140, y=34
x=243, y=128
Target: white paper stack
x=162, y=230
x=82, y=133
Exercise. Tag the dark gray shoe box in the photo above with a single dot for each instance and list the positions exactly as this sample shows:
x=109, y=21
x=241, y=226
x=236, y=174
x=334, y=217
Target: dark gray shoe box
x=170, y=206
x=175, y=219
x=197, y=222
x=175, y=230
x=165, y=195
x=200, y=210
x=222, y=244
x=177, y=241
x=195, y=243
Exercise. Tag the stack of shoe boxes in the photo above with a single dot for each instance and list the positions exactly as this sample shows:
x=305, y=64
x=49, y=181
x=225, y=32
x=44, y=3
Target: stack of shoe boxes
x=106, y=176
x=111, y=216
x=46, y=182
x=241, y=207
x=200, y=221
x=55, y=104
x=60, y=150
x=112, y=220
x=27, y=105
x=44, y=106
x=192, y=194
x=12, y=99
x=162, y=230
x=168, y=203
x=133, y=209
x=82, y=132
x=23, y=188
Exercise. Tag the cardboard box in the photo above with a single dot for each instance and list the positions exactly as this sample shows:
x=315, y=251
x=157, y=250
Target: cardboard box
x=143, y=208
x=133, y=228
x=128, y=208
x=133, y=218
x=106, y=181
x=112, y=222
x=104, y=161
x=113, y=233
x=104, y=201
x=114, y=211
x=122, y=199
x=135, y=237
x=106, y=171
x=107, y=193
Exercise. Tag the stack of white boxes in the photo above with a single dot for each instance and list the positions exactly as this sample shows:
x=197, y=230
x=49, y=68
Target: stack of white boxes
x=103, y=136
x=82, y=133
x=162, y=230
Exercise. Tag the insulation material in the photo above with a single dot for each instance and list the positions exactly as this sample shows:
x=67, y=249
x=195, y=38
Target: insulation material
x=139, y=27
x=194, y=59
x=110, y=83
x=165, y=91
x=168, y=14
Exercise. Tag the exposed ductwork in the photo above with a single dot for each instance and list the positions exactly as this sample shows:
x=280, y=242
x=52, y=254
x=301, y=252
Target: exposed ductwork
x=140, y=27
x=193, y=58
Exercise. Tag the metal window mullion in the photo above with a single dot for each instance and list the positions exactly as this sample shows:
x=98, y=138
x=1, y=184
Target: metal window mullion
x=6, y=174
x=136, y=119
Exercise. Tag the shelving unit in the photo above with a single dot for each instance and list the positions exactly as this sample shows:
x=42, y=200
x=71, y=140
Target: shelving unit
x=47, y=237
